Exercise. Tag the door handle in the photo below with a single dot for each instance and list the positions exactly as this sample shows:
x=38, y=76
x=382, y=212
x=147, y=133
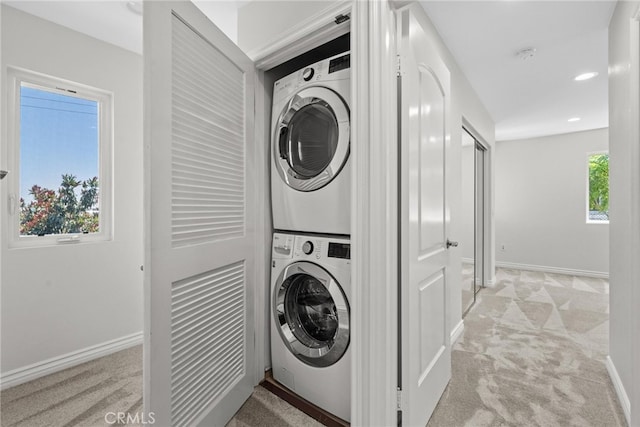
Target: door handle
x=3, y=174
x=450, y=244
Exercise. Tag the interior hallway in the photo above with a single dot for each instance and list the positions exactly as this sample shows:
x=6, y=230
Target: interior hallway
x=532, y=354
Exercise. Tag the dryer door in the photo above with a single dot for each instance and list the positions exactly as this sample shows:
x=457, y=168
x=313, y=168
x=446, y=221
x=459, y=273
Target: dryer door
x=312, y=313
x=311, y=141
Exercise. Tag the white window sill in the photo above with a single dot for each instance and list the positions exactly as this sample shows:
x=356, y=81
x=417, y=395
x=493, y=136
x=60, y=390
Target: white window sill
x=597, y=222
x=58, y=240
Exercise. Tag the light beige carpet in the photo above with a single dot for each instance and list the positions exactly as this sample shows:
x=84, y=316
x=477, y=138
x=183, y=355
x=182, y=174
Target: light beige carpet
x=532, y=354
x=78, y=396
x=266, y=409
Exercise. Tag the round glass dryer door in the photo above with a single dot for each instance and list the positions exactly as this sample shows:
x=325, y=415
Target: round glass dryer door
x=311, y=143
x=312, y=313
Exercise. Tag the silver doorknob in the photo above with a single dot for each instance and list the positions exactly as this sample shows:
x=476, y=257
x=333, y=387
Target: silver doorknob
x=450, y=243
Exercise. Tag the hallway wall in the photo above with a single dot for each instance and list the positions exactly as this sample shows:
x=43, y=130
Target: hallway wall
x=541, y=190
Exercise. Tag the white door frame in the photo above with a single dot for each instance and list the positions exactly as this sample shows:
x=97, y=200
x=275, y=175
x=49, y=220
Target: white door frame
x=374, y=208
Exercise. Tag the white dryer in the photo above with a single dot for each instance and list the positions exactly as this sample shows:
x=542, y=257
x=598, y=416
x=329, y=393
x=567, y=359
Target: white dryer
x=310, y=168
x=310, y=328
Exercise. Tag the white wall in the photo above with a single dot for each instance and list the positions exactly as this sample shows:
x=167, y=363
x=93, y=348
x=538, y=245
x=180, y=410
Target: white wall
x=541, y=190
x=263, y=23
x=624, y=299
x=62, y=299
x=223, y=13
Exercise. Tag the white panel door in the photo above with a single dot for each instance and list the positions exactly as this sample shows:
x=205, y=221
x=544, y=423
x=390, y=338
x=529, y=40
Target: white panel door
x=199, y=203
x=424, y=218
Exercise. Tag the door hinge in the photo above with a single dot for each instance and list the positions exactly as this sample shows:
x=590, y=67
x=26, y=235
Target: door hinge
x=399, y=402
x=398, y=65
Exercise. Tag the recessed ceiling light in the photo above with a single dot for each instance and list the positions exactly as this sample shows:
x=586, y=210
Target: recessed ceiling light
x=585, y=76
x=574, y=119
x=135, y=7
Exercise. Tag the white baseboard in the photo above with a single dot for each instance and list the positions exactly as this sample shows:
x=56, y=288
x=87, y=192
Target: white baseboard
x=558, y=270
x=620, y=391
x=491, y=282
x=457, y=332
x=55, y=364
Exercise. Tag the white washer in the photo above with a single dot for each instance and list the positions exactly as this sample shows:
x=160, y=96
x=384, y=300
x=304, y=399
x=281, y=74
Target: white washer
x=310, y=328
x=310, y=167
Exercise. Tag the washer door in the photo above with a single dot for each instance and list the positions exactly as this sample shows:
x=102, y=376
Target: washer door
x=311, y=141
x=312, y=313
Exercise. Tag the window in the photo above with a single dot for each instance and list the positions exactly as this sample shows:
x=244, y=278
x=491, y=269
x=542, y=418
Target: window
x=598, y=188
x=61, y=153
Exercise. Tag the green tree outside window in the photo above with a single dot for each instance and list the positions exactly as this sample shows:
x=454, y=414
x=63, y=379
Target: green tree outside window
x=599, y=187
x=72, y=209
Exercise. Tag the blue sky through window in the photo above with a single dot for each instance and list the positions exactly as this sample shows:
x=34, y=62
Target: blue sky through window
x=58, y=135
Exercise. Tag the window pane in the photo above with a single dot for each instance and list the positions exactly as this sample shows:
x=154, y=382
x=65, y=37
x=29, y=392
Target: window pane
x=59, y=148
x=599, y=187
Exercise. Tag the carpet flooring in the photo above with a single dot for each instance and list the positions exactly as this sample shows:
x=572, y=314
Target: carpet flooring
x=532, y=354
x=78, y=396
x=265, y=409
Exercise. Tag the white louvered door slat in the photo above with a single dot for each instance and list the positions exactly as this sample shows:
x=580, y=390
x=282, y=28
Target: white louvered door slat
x=199, y=283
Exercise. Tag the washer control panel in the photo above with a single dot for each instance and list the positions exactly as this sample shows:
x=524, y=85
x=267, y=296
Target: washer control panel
x=339, y=250
x=307, y=247
x=282, y=245
x=312, y=248
x=307, y=74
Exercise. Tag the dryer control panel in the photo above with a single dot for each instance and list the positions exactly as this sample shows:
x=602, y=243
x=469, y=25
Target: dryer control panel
x=334, y=68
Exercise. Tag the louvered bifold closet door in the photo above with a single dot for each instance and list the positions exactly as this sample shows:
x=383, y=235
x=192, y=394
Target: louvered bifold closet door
x=208, y=142
x=199, y=106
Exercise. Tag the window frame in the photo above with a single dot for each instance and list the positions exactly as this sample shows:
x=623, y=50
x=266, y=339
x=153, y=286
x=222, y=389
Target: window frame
x=16, y=77
x=587, y=193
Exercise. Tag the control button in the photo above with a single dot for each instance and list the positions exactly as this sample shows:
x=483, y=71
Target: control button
x=307, y=74
x=307, y=247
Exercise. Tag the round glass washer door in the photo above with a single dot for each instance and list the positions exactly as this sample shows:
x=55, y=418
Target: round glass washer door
x=312, y=314
x=312, y=137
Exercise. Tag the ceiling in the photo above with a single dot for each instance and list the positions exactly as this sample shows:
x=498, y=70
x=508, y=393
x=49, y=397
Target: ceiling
x=113, y=22
x=526, y=98
x=533, y=97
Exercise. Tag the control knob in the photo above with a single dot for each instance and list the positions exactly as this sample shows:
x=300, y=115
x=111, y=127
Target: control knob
x=307, y=247
x=307, y=74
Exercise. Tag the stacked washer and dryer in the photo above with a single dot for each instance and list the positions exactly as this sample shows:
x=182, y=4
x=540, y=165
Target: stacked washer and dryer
x=310, y=199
